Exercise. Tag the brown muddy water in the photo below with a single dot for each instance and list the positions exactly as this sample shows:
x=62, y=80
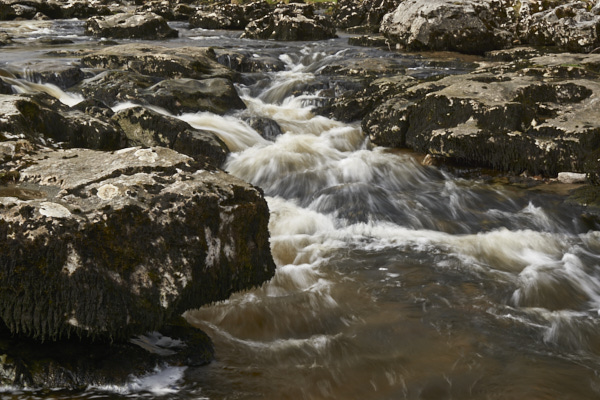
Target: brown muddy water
x=394, y=280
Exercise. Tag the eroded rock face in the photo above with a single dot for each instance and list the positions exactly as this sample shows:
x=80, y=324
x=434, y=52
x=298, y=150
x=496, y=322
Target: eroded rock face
x=109, y=245
x=47, y=71
x=178, y=80
x=147, y=26
x=249, y=61
x=541, y=118
x=291, y=22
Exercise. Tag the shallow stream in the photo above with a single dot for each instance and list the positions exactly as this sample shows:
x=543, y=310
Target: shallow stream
x=394, y=280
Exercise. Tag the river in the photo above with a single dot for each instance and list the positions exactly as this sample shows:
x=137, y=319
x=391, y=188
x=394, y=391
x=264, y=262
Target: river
x=394, y=280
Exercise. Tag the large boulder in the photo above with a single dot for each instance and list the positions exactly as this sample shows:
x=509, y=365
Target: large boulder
x=147, y=26
x=540, y=118
x=181, y=95
x=106, y=245
x=292, y=21
x=115, y=86
x=160, y=61
x=471, y=26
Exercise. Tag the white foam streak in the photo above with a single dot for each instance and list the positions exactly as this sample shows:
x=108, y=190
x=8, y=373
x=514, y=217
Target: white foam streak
x=315, y=343
x=161, y=382
x=25, y=87
x=236, y=134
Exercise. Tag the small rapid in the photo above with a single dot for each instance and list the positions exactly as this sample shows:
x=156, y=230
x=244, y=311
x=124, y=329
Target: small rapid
x=397, y=280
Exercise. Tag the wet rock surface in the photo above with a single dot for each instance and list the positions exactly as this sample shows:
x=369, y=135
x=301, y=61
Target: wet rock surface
x=215, y=95
x=179, y=80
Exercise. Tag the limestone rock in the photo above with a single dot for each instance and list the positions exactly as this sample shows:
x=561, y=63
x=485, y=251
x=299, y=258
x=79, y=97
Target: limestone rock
x=48, y=71
x=571, y=27
x=114, y=86
x=42, y=119
x=291, y=22
x=182, y=95
x=249, y=61
x=229, y=15
x=268, y=128
x=362, y=16
x=147, y=26
x=541, y=119
x=469, y=26
x=167, y=10
x=147, y=128
x=114, y=244
x=82, y=9
x=160, y=61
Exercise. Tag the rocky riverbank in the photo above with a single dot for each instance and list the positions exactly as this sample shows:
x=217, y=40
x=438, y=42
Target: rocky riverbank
x=117, y=220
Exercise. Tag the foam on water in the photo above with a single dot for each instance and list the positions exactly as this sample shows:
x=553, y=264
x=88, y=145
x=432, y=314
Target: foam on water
x=163, y=381
x=236, y=134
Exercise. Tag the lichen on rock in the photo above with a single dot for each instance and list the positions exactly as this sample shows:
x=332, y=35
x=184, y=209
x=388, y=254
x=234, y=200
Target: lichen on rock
x=117, y=244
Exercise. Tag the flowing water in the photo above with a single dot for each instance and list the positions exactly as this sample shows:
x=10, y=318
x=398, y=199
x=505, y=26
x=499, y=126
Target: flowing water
x=394, y=280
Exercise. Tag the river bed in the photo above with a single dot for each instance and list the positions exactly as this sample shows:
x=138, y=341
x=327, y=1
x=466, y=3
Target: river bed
x=395, y=280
